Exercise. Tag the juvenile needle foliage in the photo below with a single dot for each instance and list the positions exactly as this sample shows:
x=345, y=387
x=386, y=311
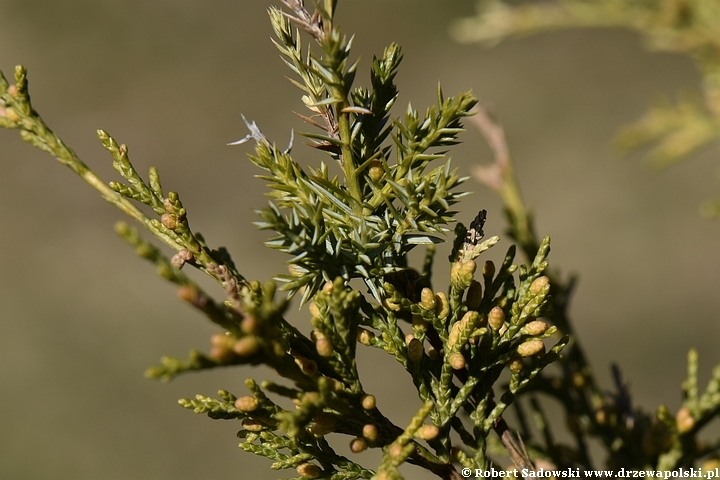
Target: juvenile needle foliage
x=396, y=192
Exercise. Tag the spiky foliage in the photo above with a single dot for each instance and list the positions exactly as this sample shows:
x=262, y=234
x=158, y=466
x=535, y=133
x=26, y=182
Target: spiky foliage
x=360, y=226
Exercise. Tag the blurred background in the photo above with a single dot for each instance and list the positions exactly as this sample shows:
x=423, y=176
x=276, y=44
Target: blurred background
x=81, y=316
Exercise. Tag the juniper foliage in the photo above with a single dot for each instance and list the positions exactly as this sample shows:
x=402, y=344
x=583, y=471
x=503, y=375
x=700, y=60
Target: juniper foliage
x=396, y=194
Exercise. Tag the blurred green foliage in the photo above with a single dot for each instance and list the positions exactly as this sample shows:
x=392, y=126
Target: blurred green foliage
x=689, y=27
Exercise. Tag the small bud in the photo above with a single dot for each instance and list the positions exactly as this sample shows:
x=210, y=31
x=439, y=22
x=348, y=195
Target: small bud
x=253, y=425
x=307, y=366
x=220, y=354
x=368, y=402
x=11, y=114
x=456, y=361
x=181, y=257
x=455, y=272
x=419, y=323
x=390, y=305
x=442, y=306
x=187, y=294
x=308, y=470
x=710, y=464
x=395, y=450
x=376, y=170
x=186, y=255
x=496, y=318
x=365, y=336
x=538, y=284
x=427, y=299
x=169, y=220
x=323, y=424
x=358, y=445
x=474, y=295
x=370, y=432
x=428, y=432
x=531, y=347
x=246, y=346
x=313, y=309
x=249, y=325
x=328, y=288
x=168, y=205
x=578, y=380
x=515, y=364
x=468, y=268
x=220, y=339
x=684, y=421
x=461, y=274
x=601, y=416
x=13, y=91
x=432, y=353
x=415, y=350
x=324, y=347
x=535, y=327
x=469, y=319
x=222, y=347
x=488, y=269
x=247, y=404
